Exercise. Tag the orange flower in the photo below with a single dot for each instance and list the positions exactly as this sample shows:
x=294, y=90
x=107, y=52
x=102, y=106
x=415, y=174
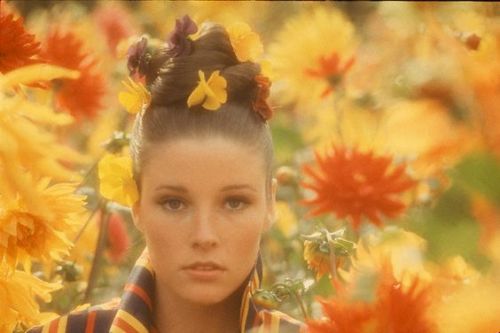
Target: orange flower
x=17, y=47
x=394, y=309
x=80, y=97
x=353, y=184
x=331, y=70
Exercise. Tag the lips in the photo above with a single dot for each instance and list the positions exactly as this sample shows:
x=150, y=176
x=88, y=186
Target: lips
x=204, y=266
x=204, y=271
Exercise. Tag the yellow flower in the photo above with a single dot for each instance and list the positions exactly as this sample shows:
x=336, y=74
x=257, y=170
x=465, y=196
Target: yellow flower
x=287, y=221
x=246, y=43
x=135, y=98
x=211, y=94
x=307, y=31
x=17, y=298
x=316, y=259
x=35, y=226
x=116, y=179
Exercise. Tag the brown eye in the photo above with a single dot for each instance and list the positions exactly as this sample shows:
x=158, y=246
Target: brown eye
x=235, y=203
x=173, y=204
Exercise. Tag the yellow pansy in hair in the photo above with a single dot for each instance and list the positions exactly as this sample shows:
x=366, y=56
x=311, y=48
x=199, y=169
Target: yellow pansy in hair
x=210, y=94
x=135, y=98
x=246, y=43
x=116, y=182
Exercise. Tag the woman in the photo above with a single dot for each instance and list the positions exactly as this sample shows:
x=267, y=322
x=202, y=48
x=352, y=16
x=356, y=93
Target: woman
x=202, y=153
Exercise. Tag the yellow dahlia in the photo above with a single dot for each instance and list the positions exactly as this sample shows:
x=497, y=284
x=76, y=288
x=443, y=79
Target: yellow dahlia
x=35, y=226
x=18, y=292
x=322, y=31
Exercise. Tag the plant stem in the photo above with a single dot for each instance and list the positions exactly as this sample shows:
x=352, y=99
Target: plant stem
x=301, y=304
x=99, y=249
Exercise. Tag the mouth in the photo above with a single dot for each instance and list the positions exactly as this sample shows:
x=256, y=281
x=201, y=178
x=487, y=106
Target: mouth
x=204, y=271
x=204, y=266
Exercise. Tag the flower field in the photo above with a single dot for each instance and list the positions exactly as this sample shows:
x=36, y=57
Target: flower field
x=386, y=128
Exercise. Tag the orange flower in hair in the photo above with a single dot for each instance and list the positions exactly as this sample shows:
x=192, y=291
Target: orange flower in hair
x=210, y=94
x=260, y=105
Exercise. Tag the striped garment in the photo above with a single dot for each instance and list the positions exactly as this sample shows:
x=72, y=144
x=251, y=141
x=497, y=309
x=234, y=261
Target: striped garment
x=134, y=312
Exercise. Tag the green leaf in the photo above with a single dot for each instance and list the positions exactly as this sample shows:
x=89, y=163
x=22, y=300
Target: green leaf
x=480, y=172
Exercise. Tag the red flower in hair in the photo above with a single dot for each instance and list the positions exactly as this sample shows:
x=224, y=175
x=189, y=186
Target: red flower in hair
x=81, y=97
x=178, y=43
x=260, y=105
x=353, y=184
x=17, y=47
x=331, y=70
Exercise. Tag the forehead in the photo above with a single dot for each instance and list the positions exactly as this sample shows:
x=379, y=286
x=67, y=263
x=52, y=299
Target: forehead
x=203, y=160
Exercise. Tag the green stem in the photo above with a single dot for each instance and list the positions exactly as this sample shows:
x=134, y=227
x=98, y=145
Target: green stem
x=301, y=304
x=99, y=249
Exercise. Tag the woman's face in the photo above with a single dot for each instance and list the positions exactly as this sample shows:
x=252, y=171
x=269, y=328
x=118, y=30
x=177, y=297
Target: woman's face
x=203, y=209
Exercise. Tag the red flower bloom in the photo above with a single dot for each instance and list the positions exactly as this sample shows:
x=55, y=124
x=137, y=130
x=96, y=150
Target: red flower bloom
x=17, y=47
x=331, y=70
x=115, y=21
x=395, y=309
x=81, y=97
x=118, y=238
x=354, y=184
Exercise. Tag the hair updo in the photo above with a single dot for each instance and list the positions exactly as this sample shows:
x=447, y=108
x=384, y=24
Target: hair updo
x=171, y=79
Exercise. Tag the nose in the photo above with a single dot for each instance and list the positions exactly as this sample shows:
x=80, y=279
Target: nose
x=204, y=235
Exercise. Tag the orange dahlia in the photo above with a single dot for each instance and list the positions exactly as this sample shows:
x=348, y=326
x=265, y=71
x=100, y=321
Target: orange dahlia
x=17, y=47
x=394, y=309
x=354, y=184
x=80, y=97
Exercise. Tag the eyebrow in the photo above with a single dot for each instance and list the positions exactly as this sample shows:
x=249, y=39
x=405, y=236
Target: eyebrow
x=182, y=189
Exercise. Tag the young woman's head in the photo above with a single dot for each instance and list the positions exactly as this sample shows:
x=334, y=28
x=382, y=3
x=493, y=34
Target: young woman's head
x=204, y=177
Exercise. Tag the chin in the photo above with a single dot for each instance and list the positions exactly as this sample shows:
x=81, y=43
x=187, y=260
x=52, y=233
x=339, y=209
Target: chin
x=206, y=297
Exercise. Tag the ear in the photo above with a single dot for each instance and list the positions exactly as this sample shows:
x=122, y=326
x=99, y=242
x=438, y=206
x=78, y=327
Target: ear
x=135, y=215
x=271, y=206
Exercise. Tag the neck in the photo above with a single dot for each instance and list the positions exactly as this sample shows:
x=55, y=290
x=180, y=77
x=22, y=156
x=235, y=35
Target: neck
x=175, y=315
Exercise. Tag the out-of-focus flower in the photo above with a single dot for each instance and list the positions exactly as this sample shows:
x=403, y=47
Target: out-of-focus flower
x=178, y=43
x=118, y=239
x=17, y=47
x=353, y=184
x=331, y=71
x=488, y=217
x=135, y=98
x=246, y=43
x=35, y=226
x=285, y=175
x=116, y=180
x=18, y=292
x=472, y=308
x=286, y=219
x=115, y=21
x=392, y=309
x=210, y=94
x=81, y=97
x=25, y=139
x=307, y=31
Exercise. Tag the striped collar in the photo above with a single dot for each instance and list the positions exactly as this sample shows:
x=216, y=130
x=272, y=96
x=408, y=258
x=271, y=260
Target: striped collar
x=135, y=313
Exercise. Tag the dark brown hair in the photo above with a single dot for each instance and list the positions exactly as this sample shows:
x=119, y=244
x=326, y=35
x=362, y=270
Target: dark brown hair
x=172, y=79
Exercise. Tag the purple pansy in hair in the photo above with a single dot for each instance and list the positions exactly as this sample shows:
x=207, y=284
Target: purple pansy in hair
x=178, y=43
x=137, y=57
